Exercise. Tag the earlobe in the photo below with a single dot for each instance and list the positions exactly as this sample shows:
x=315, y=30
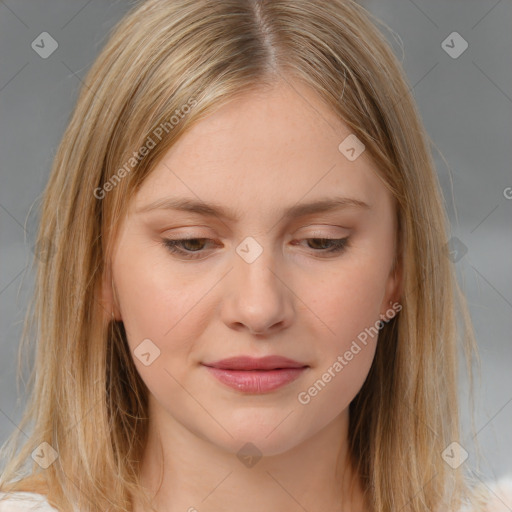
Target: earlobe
x=394, y=287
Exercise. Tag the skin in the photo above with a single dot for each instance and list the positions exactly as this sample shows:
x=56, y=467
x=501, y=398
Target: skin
x=257, y=155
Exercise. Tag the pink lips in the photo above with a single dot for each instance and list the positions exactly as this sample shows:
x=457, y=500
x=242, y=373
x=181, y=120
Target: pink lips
x=256, y=375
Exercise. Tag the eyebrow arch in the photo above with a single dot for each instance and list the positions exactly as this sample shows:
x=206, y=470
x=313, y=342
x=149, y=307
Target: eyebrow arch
x=216, y=210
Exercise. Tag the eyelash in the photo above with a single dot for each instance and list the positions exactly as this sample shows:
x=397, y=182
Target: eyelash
x=340, y=244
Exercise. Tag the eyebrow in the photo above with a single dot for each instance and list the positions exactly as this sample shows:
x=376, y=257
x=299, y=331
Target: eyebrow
x=215, y=210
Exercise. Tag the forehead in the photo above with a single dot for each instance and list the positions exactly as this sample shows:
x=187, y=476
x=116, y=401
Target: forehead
x=266, y=147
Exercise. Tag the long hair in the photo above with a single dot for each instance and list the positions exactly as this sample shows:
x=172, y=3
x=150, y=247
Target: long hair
x=167, y=65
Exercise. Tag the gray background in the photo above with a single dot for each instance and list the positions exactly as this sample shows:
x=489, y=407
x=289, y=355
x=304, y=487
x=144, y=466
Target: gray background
x=465, y=104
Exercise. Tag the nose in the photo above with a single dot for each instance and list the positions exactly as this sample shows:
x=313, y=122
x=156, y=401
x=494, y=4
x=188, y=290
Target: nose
x=257, y=297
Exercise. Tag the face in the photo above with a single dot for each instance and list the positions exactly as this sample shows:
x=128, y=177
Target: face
x=255, y=279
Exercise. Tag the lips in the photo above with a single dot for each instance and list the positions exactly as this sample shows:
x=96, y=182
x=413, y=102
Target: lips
x=253, y=363
x=256, y=375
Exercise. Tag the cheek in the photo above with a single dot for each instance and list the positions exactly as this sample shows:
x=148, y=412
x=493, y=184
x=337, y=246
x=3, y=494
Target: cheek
x=154, y=305
x=336, y=383
x=346, y=302
x=346, y=307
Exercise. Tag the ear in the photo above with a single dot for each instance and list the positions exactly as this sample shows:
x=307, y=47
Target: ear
x=108, y=296
x=394, y=288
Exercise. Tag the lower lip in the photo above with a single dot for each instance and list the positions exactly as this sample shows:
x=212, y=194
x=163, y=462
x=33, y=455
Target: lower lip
x=256, y=381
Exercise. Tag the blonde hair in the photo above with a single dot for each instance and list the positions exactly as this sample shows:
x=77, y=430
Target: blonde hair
x=86, y=398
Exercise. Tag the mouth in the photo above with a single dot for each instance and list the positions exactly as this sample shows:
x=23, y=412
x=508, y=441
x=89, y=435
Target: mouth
x=255, y=363
x=256, y=375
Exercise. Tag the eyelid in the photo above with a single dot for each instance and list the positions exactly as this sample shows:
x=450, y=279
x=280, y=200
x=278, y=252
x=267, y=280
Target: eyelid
x=338, y=247
x=321, y=232
x=315, y=233
x=317, y=230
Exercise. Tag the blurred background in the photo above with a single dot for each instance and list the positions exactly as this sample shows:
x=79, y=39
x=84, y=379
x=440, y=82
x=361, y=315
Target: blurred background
x=457, y=56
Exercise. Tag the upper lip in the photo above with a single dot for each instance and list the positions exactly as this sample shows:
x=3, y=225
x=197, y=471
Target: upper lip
x=255, y=363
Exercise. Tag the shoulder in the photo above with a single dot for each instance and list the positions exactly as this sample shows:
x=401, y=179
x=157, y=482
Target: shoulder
x=28, y=494
x=491, y=496
x=22, y=501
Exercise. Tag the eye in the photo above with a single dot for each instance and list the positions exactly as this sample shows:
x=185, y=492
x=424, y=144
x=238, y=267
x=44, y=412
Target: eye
x=191, y=248
x=174, y=246
x=334, y=245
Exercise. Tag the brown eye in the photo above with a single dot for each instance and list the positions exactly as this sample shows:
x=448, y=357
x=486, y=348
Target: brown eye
x=327, y=245
x=192, y=248
x=187, y=247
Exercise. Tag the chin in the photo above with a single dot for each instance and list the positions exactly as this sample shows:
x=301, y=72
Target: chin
x=269, y=434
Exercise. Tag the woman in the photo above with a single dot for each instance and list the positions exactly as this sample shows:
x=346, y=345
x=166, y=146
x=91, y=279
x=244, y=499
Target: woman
x=305, y=357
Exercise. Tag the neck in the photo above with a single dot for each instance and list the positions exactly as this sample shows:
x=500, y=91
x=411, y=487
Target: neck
x=199, y=476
